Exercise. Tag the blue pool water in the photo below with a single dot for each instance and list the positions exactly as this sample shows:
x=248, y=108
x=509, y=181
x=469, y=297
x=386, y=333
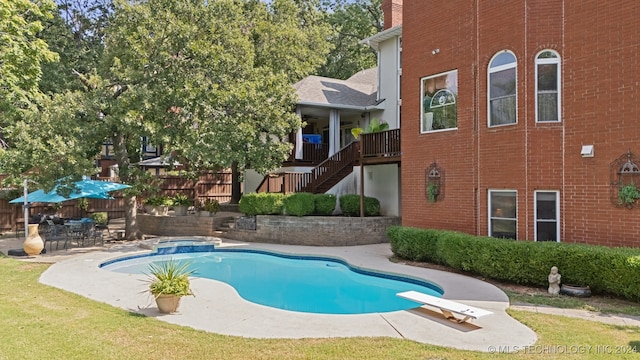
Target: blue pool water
x=295, y=283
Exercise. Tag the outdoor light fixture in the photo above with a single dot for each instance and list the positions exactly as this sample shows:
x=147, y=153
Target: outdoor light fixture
x=587, y=151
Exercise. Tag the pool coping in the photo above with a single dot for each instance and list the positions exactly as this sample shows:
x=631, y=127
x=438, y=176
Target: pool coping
x=218, y=308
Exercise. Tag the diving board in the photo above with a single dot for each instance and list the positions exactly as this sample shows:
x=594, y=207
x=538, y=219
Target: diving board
x=447, y=307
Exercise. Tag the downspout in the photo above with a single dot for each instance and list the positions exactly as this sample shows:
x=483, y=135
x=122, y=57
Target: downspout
x=476, y=71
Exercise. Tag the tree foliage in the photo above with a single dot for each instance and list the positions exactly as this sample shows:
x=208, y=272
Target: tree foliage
x=352, y=21
x=76, y=33
x=21, y=53
x=211, y=81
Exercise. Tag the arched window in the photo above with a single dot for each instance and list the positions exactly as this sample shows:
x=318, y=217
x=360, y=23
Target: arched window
x=502, y=89
x=548, y=86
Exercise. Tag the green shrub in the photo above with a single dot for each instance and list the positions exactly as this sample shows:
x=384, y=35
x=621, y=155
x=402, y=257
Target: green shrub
x=414, y=244
x=100, y=218
x=211, y=205
x=325, y=204
x=158, y=201
x=261, y=204
x=298, y=204
x=603, y=269
x=350, y=205
x=371, y=206
x=182, y=200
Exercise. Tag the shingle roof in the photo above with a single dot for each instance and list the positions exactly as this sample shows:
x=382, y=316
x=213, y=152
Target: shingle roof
x=358, y=90
x=160, y=161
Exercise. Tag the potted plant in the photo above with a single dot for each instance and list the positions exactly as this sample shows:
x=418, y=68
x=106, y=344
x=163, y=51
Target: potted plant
x=168, y=283
x=157, y=205
x=374, y=126
x=209, y=207
x=432, y=192
x=181, y=203
x=150, y=204
x=101, y=220
x=628, y=194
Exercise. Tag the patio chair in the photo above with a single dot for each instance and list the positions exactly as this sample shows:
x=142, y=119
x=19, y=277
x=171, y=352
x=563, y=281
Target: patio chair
x=76, y=232
x=95, y=234
x=51, y=233
x=103, y=227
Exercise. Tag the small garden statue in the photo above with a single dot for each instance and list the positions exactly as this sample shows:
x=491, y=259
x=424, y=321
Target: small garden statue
x=554, y=281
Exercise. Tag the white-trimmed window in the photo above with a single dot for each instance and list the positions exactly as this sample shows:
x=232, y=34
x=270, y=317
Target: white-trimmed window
x=439, y=102
x=547, y=215
x=502, y=89
x=503, y=220
x=548, y=86
x=148, y=148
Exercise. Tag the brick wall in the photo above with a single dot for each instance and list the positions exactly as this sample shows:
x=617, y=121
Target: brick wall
x=392, y=10
x=317, y=230
x=598, y=47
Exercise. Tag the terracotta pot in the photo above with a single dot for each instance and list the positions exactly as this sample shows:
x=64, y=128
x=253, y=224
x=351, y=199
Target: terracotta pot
x=168, y=304
x=33, y=244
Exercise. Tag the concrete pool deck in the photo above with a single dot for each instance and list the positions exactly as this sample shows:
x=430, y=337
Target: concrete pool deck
x=218, y=308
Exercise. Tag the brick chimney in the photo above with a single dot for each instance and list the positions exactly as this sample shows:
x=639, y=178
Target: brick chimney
x=392, y=10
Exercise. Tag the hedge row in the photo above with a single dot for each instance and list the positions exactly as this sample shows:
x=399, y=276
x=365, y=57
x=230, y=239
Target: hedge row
x=261, y=204
x=298, y=204
x=605, y=270
x=350, y=205
x=301, y=204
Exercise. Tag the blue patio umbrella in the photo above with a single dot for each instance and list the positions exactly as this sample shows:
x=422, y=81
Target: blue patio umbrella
x=85, y=188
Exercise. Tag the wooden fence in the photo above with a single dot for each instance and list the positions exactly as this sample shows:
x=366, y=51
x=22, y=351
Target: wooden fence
x=208, y=186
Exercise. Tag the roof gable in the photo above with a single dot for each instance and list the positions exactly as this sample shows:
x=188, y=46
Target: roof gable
x=358, y=90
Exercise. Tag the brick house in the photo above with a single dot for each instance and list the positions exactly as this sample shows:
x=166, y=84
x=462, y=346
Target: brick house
x=520, y=119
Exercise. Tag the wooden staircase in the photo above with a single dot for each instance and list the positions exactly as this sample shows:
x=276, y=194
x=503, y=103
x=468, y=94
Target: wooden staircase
x=374, y=148
x=322, y=178
x=331, y=181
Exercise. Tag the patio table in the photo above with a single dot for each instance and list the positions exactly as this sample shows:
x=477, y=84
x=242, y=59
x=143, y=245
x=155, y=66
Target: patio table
x=81, y=231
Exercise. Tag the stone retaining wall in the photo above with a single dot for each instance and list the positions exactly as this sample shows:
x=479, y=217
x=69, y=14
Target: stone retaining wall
x=190, y=225
x=316, y=230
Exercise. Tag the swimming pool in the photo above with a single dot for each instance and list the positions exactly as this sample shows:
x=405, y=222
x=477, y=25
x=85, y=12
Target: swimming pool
x=293, y=282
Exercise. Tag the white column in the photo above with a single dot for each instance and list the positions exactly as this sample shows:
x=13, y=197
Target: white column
x=334, y=131
x=298, y=150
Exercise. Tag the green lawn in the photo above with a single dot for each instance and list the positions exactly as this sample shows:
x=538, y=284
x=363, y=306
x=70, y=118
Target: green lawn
x=41, y=322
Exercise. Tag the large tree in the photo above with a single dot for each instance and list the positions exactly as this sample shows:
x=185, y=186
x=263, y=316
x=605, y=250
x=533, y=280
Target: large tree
x=352, y=20
x=210, y=80
x=51, y=139
x=21, y=54
x=76, y=33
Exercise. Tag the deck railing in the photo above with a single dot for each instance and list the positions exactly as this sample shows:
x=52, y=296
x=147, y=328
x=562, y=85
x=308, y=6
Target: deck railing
x=290, y=182
x=284, y=182
x=380, y=144
x=373, y=145
x=311, y=153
